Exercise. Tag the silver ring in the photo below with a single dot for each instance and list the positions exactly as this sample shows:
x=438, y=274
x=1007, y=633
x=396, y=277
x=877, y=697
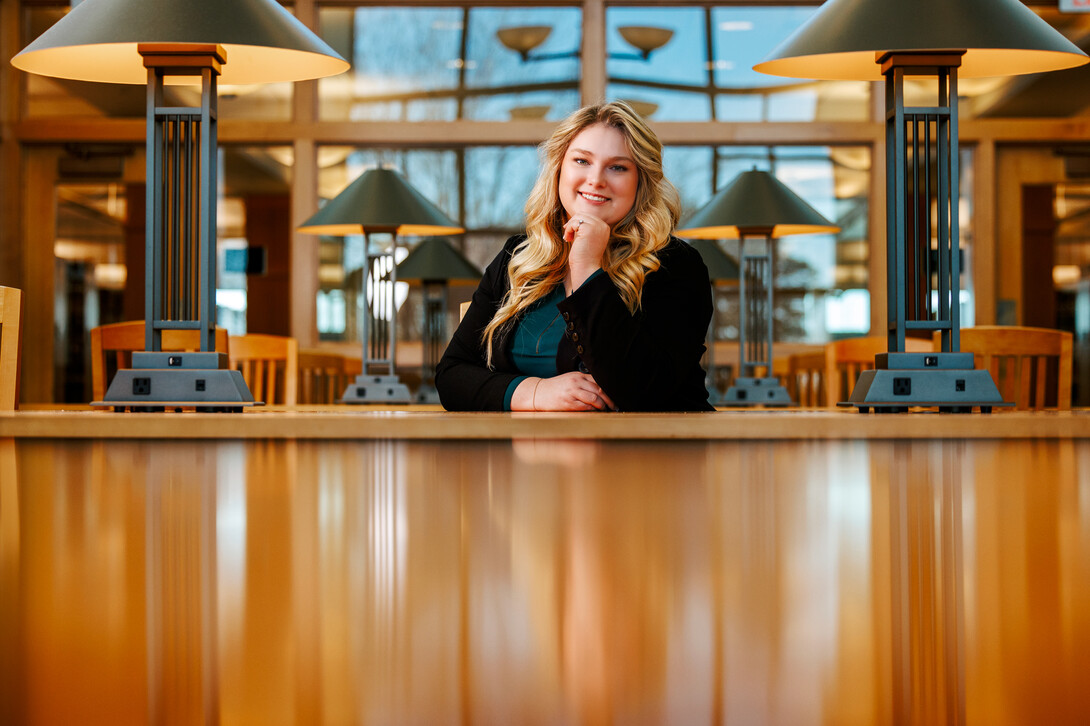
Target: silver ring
x=580, y=223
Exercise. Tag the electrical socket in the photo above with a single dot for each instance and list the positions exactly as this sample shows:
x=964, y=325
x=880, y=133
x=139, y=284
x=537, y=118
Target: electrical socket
x=902, y=386
x=141, y=386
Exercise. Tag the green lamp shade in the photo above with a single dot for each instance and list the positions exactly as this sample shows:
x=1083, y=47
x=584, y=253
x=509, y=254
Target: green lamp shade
x=380, y=200
x=97, y=41
x=720, y=265
x=434, y=259
x=756, y=202
x=843, y=40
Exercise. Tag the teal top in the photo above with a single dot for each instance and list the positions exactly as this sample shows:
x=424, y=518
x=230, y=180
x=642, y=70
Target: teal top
x=537, y=338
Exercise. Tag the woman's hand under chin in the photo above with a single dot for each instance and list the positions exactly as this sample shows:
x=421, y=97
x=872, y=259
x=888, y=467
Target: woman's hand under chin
x=589, y=237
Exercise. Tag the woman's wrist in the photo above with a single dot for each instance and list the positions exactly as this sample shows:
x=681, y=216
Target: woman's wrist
x=580, y=273
x=525, y=396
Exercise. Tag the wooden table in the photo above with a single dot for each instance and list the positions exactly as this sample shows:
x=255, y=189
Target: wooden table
x=325, y=565
x=432, y=423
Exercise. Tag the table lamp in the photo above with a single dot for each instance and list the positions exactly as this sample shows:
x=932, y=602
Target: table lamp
x=720, y=268
x=755, y=204
x=434, y=263
x=379, y=201
x=180, y=41
x=936, y=39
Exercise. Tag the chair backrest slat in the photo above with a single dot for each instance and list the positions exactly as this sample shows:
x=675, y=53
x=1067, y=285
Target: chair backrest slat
x=1031, y=367
x=270, y=366
x=11, y=333
x=322, y=376
x=806, y=374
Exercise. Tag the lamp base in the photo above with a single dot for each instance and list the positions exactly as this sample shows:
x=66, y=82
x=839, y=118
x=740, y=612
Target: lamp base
x=376, y=389
x=159, y=381
x=757, y=392
x=426, y=394
x=947, y=381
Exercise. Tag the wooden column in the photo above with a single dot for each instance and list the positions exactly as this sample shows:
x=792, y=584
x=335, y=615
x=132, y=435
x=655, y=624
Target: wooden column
x=303, y=278
x=268, y=294
x=1038, y=242
x=132, y=302
x=10, y=170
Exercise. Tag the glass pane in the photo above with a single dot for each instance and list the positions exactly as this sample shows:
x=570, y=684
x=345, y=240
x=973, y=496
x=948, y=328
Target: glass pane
x=685, y=80
x=55, y=97
x=659, y=58
x=821, y=279
x=92, y=228
x=743, y=37
x=505, y=83
x=452, y=63
x=494, y=183
x=253, y=243
x=435, y=173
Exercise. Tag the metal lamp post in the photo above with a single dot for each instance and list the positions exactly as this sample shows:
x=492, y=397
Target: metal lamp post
x=755, y=204
x=379, y=201
x=940, y=40
x=434, y=263
x=187, y=41
x=720, y=268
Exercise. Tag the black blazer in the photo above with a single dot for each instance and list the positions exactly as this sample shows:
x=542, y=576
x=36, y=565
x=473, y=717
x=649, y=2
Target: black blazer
x=649, y=361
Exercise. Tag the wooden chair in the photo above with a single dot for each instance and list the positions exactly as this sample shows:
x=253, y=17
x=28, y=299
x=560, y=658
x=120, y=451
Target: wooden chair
x=112, y=346
x=270, y=366
x=11, y=326
x=322, y=376
x=846, y=359
x=1030, y=366
x=806, y=378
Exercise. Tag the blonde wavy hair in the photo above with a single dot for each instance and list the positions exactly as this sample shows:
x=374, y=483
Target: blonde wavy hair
x=540, y=262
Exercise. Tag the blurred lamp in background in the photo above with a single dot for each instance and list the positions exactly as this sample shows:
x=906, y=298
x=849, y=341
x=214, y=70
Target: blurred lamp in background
x=755, y=204
x=721, y=268
x=434, y=263
x=379, y=201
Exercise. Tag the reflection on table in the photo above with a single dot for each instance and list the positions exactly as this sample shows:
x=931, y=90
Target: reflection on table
x=544, y=582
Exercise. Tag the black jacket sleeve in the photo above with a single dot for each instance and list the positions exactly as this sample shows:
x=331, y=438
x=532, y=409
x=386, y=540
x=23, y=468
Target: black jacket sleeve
x=462, y=377
x=649, y=361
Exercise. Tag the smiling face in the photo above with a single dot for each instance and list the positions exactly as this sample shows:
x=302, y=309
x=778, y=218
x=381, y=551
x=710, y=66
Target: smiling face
x=598, y=176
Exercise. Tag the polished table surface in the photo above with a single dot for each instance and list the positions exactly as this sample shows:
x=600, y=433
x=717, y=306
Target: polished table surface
x=431, y=422
x=323, y=566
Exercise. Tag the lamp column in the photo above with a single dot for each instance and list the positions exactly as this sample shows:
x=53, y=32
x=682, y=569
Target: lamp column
x=180, y=234
x=923, y=282
x=755, y=320
x=433, y=337
x=378, y=382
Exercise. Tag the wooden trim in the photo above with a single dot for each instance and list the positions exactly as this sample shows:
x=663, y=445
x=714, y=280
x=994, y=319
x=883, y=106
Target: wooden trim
x=11, y=182
x=304, y=247
x=431, y=423
x=985, y=188
x=451, y=133
x=595, y=78
x=39, y=264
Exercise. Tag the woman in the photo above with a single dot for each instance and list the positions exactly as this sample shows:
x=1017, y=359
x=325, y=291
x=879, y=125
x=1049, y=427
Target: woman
x=597, y=307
